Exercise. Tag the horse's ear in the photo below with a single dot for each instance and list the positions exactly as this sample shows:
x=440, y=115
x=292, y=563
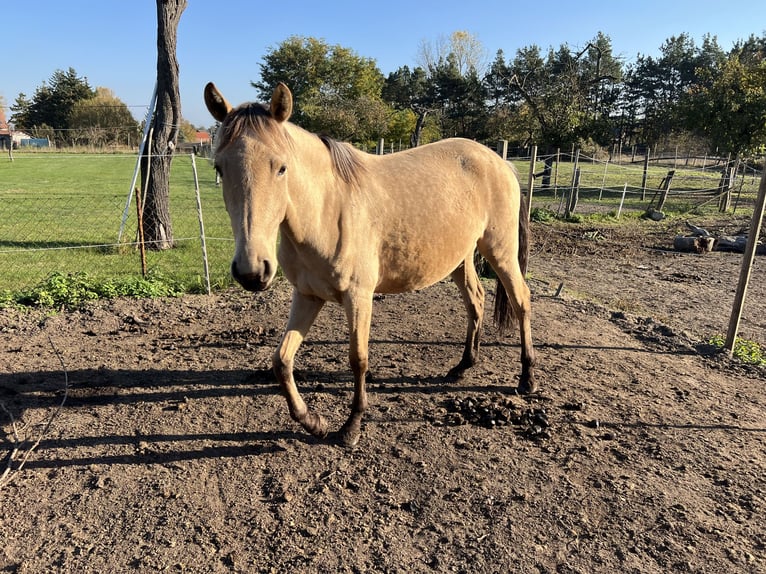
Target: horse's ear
x=215, y=102
x=281, y=103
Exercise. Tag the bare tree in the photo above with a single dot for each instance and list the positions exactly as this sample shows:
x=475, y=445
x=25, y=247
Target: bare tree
x=468, y=51
x=155, y=165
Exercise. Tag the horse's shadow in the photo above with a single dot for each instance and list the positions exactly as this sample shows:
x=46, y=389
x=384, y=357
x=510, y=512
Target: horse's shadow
x=89, y=389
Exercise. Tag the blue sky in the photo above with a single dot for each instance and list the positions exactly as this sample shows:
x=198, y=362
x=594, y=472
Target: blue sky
x=113, y=42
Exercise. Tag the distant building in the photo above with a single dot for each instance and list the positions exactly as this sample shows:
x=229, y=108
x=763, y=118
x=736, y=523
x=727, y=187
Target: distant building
x=200, y=145
x=19, y=137
x=5, y=131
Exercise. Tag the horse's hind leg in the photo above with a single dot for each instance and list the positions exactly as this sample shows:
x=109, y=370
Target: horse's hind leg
x=467, y=281
x=512, y=279
x=303, y=312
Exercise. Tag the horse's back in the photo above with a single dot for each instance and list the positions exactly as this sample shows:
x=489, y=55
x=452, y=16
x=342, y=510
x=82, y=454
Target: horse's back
x=430, y=207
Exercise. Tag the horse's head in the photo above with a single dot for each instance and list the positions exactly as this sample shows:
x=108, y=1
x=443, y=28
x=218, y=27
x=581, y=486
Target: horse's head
x=252, y=157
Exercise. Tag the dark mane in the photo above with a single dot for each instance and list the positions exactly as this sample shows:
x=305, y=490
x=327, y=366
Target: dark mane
x=256, y=118
x=250, y=117
x=345, y=160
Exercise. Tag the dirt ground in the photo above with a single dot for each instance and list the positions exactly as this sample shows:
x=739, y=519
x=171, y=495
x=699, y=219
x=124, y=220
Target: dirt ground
x=173, y=450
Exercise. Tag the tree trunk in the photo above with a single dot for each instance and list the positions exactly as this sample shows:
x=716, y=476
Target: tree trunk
x=158, y=230
x=415, y=135
x=547, y=171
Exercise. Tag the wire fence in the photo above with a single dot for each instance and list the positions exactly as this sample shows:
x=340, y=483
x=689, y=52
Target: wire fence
x=580, y=184
x=62, y=213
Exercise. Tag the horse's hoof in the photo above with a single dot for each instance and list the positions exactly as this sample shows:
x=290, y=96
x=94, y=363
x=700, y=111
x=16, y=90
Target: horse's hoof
x=316, y=425
x=459, y=370
x=527, y=386
x=348, y=436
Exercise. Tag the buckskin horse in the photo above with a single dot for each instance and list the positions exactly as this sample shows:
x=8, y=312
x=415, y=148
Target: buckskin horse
x=352, y=224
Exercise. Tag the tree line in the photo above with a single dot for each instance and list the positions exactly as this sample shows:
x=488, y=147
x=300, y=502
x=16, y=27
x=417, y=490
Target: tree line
x=68, y=111
x=699, y=96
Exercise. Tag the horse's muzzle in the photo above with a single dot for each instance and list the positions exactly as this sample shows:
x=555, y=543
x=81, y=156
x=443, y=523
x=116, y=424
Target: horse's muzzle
x=253, y=281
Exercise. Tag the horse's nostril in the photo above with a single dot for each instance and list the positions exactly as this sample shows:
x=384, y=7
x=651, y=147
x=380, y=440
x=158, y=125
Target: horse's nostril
x=266, y=269
x=234, y=272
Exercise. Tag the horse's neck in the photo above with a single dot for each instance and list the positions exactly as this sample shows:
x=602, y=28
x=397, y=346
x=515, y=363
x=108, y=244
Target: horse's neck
x=313, y=200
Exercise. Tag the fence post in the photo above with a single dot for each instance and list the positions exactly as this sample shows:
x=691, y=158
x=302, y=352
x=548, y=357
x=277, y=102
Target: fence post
x=624, y=191
x=531, y=179
x=747, y=266
x=665, y=187
x=724, y=188
x=574, y=170
x=646, y=171
x=205, y=266
x=574, y=195
x=603, y=181
x=141, y=244
x=502, y=149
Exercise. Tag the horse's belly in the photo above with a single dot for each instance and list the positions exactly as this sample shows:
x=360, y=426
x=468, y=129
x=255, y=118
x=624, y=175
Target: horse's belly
x=402, y=270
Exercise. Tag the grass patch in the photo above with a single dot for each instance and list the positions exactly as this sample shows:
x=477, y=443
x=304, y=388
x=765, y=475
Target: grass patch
x=59, y=291
x=745, y=350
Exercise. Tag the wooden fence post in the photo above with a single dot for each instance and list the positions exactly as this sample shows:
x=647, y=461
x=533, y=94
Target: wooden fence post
x=643, y=178
x=664, y=188
x=747, y=265
x=531, y=179
x=724, y=188
x=575, y=181
x=502, y=149
x=574, y=195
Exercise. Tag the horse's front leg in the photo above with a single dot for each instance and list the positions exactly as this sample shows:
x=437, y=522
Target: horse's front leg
x=303, y=312
x=358, y=308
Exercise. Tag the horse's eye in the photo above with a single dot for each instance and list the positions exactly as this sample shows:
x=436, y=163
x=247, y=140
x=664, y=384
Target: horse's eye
x=282, y=170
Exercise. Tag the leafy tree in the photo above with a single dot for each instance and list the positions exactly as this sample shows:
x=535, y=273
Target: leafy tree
x=657, y=86
x=550, y=89
x=188, y=132
x=401, y=125
x=445, y=91
x=727, y=104
x=459, y=96
x=567, y=96
x=407, y=90
x=102, y=120
x=53, y=102
x=600, y=76
x=20, y=112
x=496, y=82
x=329, y=84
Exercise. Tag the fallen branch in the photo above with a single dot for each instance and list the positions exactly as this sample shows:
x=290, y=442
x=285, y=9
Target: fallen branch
x=9, y=473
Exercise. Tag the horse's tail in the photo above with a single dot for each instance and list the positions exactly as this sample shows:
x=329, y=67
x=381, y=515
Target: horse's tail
x=504, y=316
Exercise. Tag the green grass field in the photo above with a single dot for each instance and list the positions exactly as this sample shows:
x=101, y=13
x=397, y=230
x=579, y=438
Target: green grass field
x=62, y=213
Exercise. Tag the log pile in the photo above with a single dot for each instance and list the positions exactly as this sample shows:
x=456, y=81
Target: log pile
x=700, y=240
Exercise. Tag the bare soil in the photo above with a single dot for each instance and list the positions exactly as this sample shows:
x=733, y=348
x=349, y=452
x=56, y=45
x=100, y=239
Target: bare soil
x=173, y=450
